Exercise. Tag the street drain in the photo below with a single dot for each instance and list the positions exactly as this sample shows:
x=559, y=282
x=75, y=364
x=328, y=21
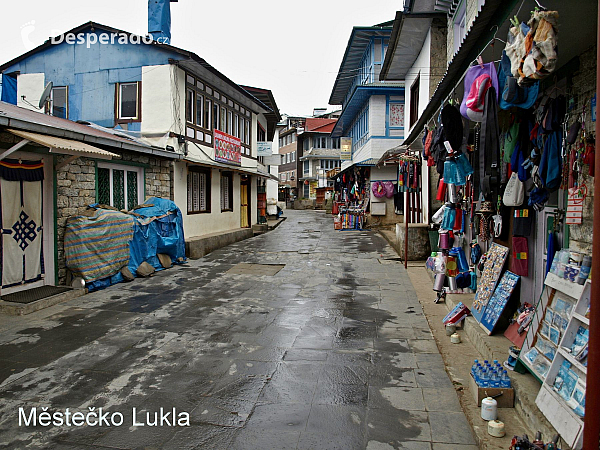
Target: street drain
x=256, y=269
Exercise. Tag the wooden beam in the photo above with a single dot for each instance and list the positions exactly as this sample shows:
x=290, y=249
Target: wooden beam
x=14, y=148
x=64, y=162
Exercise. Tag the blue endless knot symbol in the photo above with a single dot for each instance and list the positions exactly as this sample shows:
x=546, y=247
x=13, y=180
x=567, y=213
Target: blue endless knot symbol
x=24, y=231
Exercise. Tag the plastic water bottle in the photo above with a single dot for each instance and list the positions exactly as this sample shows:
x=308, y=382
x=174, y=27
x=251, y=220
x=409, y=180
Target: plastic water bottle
x=495, y=380
x=485, y=378
x=505, y=380
x=478, y=373
x=474, y=367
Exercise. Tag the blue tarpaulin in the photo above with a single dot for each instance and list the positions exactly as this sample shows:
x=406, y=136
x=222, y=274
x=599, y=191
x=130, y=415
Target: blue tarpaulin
x=9, y=89
x=156, y=229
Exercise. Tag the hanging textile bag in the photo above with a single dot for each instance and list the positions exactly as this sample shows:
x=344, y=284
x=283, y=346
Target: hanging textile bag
x=514, y=194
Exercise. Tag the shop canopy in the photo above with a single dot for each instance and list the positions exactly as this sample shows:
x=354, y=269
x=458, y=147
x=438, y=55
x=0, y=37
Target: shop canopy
x=492, y=14
x=59, y=145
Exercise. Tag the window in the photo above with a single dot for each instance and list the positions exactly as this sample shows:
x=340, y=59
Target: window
x=414, y=101
x=246, y=132
x=335, y=143
x=306, y=167
x=216, y=110
x=120, y=186
x=128, y=99
x=207, y=113
x=460, y=25
x=226, y=191
x=189, y=105
x=305, y=144
x=306, y=190
x=236, y=126
x=223, y=125
x=59, y=102
x=320, y=142
x=198, y=190
x=199, y=110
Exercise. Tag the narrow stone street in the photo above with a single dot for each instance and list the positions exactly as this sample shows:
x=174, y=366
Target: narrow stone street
x=325, y=347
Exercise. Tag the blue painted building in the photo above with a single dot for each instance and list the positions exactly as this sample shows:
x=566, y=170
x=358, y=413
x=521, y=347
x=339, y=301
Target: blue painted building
x=166, y=96
x=372, y=111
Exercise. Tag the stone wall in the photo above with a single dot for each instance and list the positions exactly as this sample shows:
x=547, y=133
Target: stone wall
x=584, y=88
x=76, y=188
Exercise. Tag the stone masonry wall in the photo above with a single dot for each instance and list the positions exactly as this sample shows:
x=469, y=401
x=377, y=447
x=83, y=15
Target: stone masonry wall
x=584, y=88
x=76, y=188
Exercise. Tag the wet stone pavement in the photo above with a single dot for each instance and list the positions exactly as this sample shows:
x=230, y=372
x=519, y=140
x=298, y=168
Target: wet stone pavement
x=329, y=350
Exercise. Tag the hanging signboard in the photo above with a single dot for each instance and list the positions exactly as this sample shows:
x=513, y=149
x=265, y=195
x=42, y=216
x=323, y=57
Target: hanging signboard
x=264, y=148
x=228, y=149
x=346, y=148
x=273, y=160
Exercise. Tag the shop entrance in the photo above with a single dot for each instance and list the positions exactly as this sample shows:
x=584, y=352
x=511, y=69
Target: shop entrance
x=26, y=216
x=245, y=208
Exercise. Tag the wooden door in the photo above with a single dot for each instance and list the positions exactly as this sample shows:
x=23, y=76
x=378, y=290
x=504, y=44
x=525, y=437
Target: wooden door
x=245, y=206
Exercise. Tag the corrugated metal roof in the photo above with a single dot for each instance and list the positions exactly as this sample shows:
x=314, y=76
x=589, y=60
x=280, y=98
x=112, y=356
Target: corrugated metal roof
x=493, y=12
x=360, y=38
x=15, y=117
x=65, y=146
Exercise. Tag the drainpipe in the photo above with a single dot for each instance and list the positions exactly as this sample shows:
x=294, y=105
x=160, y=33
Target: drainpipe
x=591, y=431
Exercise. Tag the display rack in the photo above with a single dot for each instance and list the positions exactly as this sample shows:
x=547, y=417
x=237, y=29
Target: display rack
x=549, y=353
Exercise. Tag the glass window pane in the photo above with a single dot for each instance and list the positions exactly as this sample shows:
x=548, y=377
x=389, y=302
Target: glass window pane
x=129, y=101
x=103, y=186
x=59, y=102
x=207, y=111
x=189, y=106
x=223, y=125
x=215, y=117
x=199, y=112
x=118, y=189
x=132, y=189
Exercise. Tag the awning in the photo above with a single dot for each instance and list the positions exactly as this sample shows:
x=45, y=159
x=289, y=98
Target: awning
x=370, y=162
x=64, y=146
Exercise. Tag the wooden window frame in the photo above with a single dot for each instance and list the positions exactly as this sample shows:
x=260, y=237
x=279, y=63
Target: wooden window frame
x=229, y=176
x=118, y=119
x=414, y=101
x=208, y=172
x=218, y=103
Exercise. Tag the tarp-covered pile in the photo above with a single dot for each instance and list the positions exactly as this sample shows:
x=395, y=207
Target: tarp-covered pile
x=100, y=244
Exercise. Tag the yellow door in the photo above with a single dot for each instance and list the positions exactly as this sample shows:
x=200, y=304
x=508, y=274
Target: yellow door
x=244, y=206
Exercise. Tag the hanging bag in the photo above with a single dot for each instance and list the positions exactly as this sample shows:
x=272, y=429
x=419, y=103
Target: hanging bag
x=514, y=194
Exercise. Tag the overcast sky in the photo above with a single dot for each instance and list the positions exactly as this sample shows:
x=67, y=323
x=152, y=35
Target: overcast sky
x=292, y=48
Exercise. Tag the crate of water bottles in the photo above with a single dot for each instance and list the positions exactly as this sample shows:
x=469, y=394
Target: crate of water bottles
x=492, y=380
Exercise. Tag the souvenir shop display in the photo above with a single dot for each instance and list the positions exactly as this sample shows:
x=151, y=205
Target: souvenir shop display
x=514, y=160
x=555, y=348
x=498, y=301
x=353, y=192
x=492, y=269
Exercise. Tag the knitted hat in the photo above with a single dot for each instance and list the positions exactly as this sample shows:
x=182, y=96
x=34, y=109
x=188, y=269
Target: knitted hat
x=476, y=86
x=453, y=126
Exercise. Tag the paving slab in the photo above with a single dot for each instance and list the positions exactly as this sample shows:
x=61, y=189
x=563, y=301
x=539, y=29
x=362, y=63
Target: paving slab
x=302, y=338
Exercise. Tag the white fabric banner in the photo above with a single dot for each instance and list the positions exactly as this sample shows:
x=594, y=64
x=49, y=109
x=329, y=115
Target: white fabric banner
x=21, y=231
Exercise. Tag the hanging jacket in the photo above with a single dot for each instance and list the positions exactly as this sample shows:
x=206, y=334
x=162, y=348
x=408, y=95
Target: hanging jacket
x=551, y=165
x=487, y=178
